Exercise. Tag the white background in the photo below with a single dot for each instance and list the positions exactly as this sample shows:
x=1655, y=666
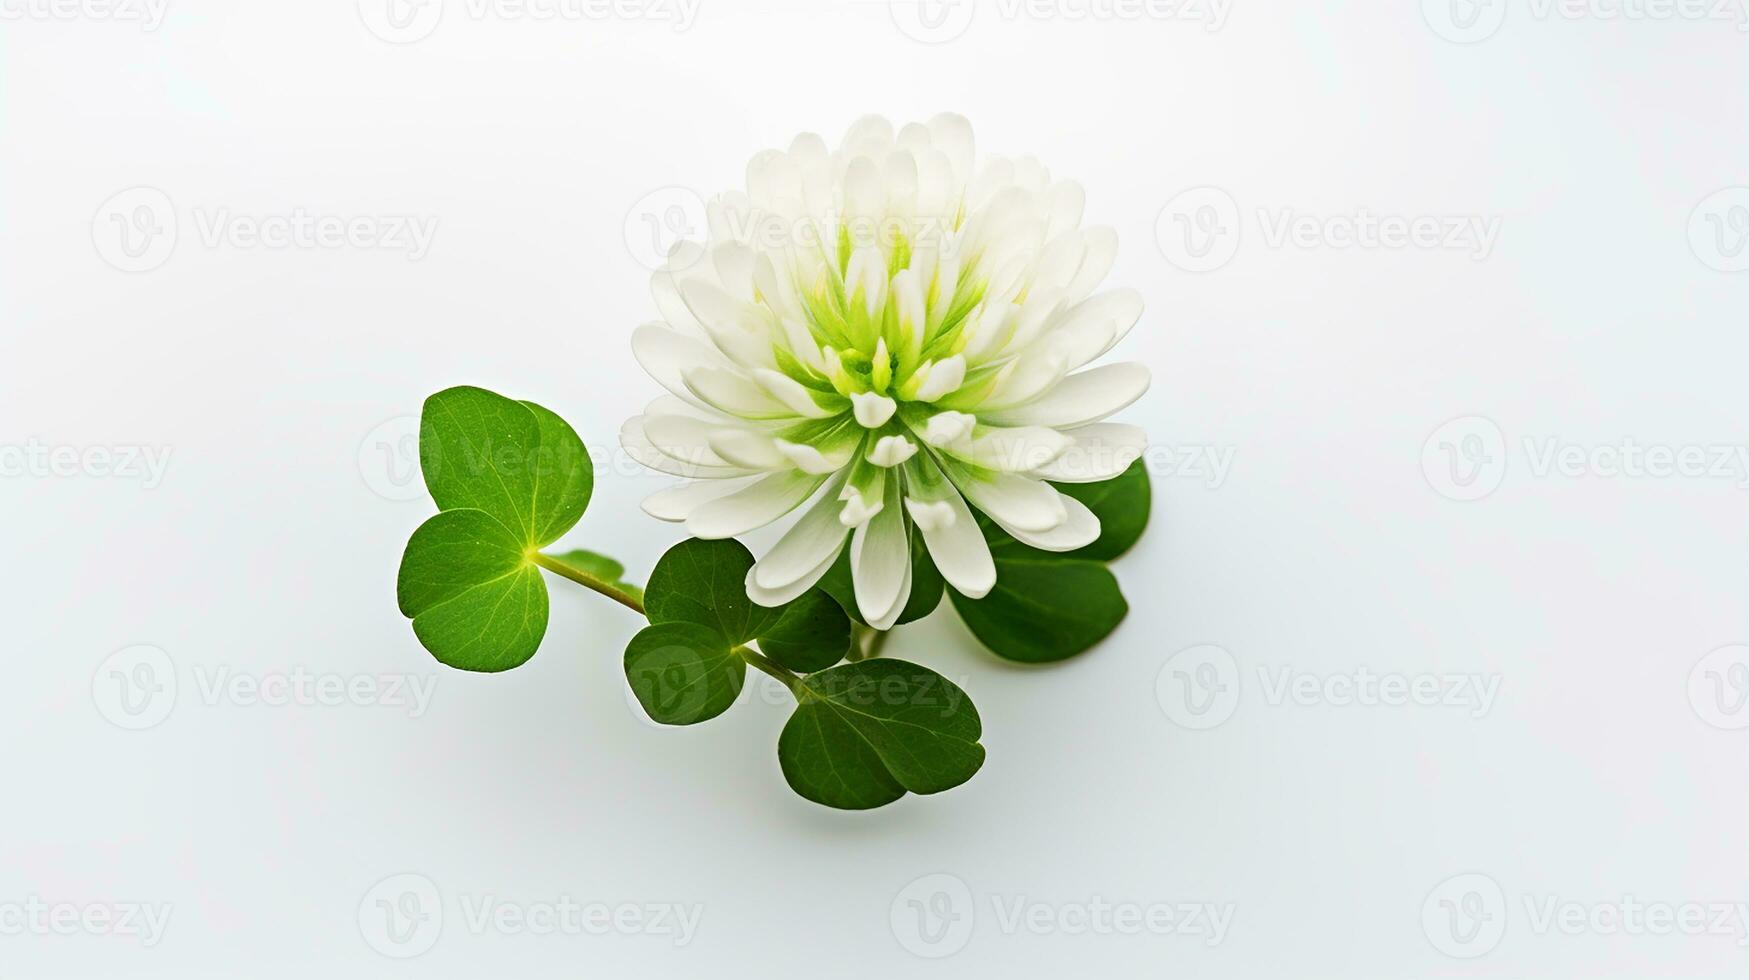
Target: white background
x=281, y=381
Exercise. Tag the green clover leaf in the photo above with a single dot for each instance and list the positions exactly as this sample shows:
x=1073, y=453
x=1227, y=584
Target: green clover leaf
x=683, y=673
x=690, y=664
x=812, y=634
x=866, y=733
x=509, y=477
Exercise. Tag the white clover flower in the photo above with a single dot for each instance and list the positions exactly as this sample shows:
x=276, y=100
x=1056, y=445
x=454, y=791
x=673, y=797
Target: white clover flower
x=891, y=329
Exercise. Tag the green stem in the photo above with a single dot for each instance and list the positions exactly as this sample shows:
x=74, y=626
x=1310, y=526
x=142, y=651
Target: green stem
x=588, y=581
x=632, y=602
x=766, y=664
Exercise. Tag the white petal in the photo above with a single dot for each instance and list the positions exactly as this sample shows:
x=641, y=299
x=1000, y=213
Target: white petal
x=872, y=410
x=1026, y=377
x=1095, y=325
x=945, y=428
x=789, y=593
x=676, y=502
x=954, y=541
x=793, y=394
x=1100, y=452
x=757, y=505
x=944, y=378
x=686, y=439
x=637, y=445
x=1101, y=253
x=1009, y=498
x=666, y=354
x=880, y=556
x=809, y=459
x=733, y=393
x=1018, y=450
x=892, y=450
x=814, y=539
x=885, y=622
x=745, y=447
x=1079, y=529
x=1079, y=399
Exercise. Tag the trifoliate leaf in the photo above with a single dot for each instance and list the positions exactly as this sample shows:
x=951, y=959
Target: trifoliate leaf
x=812, y=634
x=475, y=601
x=926, y=585
x=509, y=477
x=1044, y=607
x=705, y=582
x=865, y=733
x=683, y=673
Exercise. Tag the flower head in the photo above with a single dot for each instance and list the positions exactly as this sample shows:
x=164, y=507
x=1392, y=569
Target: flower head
x=886, y=333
